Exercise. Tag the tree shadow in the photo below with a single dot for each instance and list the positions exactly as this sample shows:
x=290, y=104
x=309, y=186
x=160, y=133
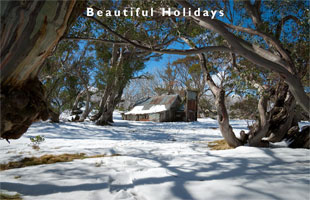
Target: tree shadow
x=46, y=189
x=249, y=171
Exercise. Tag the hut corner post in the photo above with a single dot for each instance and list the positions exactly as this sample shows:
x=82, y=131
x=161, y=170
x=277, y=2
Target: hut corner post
x=191, y=105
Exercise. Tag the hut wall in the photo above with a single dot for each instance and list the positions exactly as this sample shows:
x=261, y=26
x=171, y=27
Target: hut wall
x=155, y=117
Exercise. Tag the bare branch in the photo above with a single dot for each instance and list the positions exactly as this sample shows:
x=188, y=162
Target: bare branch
x=254, y=12
x=282, y=22
x=97, y=40
x=273, y=41
x=143, y=76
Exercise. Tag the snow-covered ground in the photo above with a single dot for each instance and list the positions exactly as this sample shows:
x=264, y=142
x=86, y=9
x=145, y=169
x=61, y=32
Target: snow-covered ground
x=158, y=161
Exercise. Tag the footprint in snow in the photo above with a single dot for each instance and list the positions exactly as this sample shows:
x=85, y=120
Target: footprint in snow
x=120, y=181
x=128, y=195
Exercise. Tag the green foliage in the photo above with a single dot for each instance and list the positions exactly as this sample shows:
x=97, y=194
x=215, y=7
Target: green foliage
x=96, y=66
x=245, y=109
x=36, y=141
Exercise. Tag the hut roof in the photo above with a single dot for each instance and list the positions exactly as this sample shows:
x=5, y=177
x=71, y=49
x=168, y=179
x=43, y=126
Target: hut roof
x=155, y=104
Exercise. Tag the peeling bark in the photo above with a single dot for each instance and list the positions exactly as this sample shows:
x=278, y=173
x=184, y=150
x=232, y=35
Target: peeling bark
x=299, y=139
x=30, y=30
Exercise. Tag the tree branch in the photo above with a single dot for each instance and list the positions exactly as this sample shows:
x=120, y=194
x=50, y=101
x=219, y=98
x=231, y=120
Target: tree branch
x=97, y=40
x=143, y=76
x=282, y=22
x=254, y=54
x=162, y=51
x=273, y=41
x=254, y=11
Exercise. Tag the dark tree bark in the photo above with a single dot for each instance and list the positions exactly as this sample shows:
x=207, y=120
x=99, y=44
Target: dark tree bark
x=114, y=98
x=299, y=139
x=280, y=123
x=53, y=116
x=282, y=114
x=20, y=107
x=30, y=30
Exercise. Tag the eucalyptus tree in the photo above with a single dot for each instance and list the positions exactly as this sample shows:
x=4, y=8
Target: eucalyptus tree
x=272, y=55
x=264, y=45
x=30, y=30
x=190, y=75
x=169, y=79
x=118, y=69
x=119, y=61
x=67, y=77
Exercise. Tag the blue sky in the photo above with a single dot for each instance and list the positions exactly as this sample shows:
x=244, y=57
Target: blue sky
x=154, y=64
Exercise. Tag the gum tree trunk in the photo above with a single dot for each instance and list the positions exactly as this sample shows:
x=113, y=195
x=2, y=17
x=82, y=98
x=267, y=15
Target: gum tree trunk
x=219, y=94
x=30, y=30
x=280, y=123
x=88, y=107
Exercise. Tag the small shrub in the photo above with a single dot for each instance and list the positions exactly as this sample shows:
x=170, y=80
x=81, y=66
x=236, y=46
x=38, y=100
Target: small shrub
x=36, y=141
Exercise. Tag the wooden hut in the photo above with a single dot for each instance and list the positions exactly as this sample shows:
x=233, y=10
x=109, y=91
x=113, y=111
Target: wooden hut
x=165, y=108
x=157, y=109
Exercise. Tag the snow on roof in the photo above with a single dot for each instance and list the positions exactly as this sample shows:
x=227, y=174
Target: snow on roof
x=93, y=89
x=154, y=105
x=153, y=109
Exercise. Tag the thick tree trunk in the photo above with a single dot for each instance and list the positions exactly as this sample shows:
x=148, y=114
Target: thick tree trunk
x=219, y=93
x=102, y=102
x=87, y=107
x=53, y=116
x=222, y=114
x=282, y=115
x=114, y=98
x=30, y=30
x=75, y=108
x=108, y=109
x=223, y=120
x=280, y=123
x=260, y=129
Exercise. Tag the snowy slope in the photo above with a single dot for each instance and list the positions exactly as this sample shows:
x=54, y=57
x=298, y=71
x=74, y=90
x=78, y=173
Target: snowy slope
x=159, y=161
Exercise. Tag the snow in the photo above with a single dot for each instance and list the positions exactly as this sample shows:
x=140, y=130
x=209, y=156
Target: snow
x=158, y=161
x=65, y=115
x=153, y=109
